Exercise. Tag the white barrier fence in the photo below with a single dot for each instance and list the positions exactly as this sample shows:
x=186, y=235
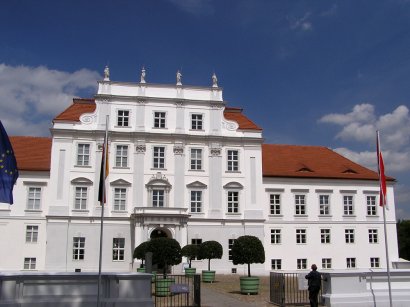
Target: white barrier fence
x=74, y=289
x=366, y=288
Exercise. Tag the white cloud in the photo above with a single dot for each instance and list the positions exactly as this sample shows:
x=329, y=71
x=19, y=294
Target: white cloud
x=195, y=7
x=31, y=96
x=303, y=23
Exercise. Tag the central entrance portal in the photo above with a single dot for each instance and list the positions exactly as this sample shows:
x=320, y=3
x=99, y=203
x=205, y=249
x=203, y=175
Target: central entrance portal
x=160, y=232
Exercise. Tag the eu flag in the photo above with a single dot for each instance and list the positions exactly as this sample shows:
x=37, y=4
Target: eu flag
x=8, y=168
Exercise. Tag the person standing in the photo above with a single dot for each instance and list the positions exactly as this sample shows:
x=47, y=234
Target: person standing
x=314, y=283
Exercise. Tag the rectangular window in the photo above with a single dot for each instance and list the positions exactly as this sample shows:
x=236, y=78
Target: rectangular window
x=159, y=119
x=230, y=244
x=373, y=236
x=275, y=236
x=34, y=198
x=326, y=263
x=31, y=234
x=350, y=263
x=159, y=157
x=83, y=154
x=118, y=249
x=158, y=197
x=30, y=263
x=78, y=248
x=120, y=199
x=196, y=201
x=80, y=201
x=371, y=205
x=196, y=122
x=274, y=200
x=121, y=156
x=276, y=264
x=196, y=241
x=233, y=160
x=123, y=118
x=300, y=205
x=324, y=206
x=301, y=236
x=325, y=236
x=233, y=202
x=375, y=262
x=348, y=205
x=302, y=264
x=349, y=235
x=196, y=159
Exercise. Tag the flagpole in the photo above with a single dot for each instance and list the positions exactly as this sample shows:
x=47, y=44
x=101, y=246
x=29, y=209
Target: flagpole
x=104, y=156
x=383, y=203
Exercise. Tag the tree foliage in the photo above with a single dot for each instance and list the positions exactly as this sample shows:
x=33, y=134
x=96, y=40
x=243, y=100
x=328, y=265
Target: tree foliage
x=165, y=251
x=210, y=250
x=190, y=251
x=247, y=250
x=140, y=251
x=403, y=236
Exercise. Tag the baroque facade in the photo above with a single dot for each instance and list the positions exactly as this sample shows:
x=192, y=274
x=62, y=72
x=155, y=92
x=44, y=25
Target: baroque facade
x=184, y=165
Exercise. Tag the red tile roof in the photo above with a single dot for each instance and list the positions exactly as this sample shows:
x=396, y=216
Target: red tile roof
x=32, y=153
x=311, y=162
x=79, y=107
x=236, y=115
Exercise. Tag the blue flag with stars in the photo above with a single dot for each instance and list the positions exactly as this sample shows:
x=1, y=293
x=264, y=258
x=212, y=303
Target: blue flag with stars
x=8, y=168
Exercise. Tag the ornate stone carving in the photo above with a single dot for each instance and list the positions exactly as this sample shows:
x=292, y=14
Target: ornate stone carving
x=140, y=148
x=88, y=119
x=216, y=106
x=229, y=125
x=179, y=103
x=216, y=152
x=178, y=149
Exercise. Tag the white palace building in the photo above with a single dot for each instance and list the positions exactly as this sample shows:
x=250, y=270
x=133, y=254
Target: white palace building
x=183, y=164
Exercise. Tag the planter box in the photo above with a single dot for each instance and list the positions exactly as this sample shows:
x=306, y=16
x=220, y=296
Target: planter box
x=162, y=286
x=190, y=272
x=249, y=285
x=208, y=276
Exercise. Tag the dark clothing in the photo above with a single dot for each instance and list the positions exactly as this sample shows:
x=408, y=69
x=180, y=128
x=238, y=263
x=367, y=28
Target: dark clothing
x=314, y=282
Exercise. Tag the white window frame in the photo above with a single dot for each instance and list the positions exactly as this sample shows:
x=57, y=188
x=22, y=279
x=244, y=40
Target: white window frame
x=83, y=154
x=230, y=245
x=276, y=264
x=123, y=118
x=34, y=198
x=196, y=159
x=324, y=204
x=275, y=204
x=349, y=236
x=197, y=121
x=31, y=233
x=196, y=201
x=325, y=235
x=160, y=121
x=158, y=198
x=301, y=236
x=276, y=236
x=233, y=201
x=30, y=263
x=373, y=236
x=351, y=263
x=300, y=204
x=301, y=263
x=121, y=156
x=371, y=205
x=232, y=160
x=158, y=155
x=375, y=262
x=348, y=205
x=118, y=249
x=120, y=199
x=78, y=248
x=80, y=198
x=326, y=263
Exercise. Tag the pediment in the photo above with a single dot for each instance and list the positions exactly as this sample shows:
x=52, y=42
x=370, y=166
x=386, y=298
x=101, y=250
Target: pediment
x=81, y=180
x=120, y=182
x=196, y=185
x=233, y=185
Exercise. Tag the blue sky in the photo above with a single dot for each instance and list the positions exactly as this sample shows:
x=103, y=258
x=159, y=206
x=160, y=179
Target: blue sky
x=309, y=72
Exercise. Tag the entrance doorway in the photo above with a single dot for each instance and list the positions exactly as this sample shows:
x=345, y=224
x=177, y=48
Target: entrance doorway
x=160, y=232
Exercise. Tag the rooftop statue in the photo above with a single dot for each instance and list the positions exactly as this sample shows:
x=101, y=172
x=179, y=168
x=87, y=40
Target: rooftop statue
x=106, y=73
x=179, y=78
x=143, y=75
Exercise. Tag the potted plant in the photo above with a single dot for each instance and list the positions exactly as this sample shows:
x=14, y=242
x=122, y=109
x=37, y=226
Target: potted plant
x=209, y=250
x=139, y=253
x=165, y=252
x=191, y=252
x=247, y=250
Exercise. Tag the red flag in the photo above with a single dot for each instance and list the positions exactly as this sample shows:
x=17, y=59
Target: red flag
x=104, y=163
x=382, y=177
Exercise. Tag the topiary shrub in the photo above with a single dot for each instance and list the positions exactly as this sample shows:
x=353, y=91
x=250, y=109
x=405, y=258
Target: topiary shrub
x=247, y=250
x=140, y=251
x=165, y=252
x=190, y=251
x=210, y=250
